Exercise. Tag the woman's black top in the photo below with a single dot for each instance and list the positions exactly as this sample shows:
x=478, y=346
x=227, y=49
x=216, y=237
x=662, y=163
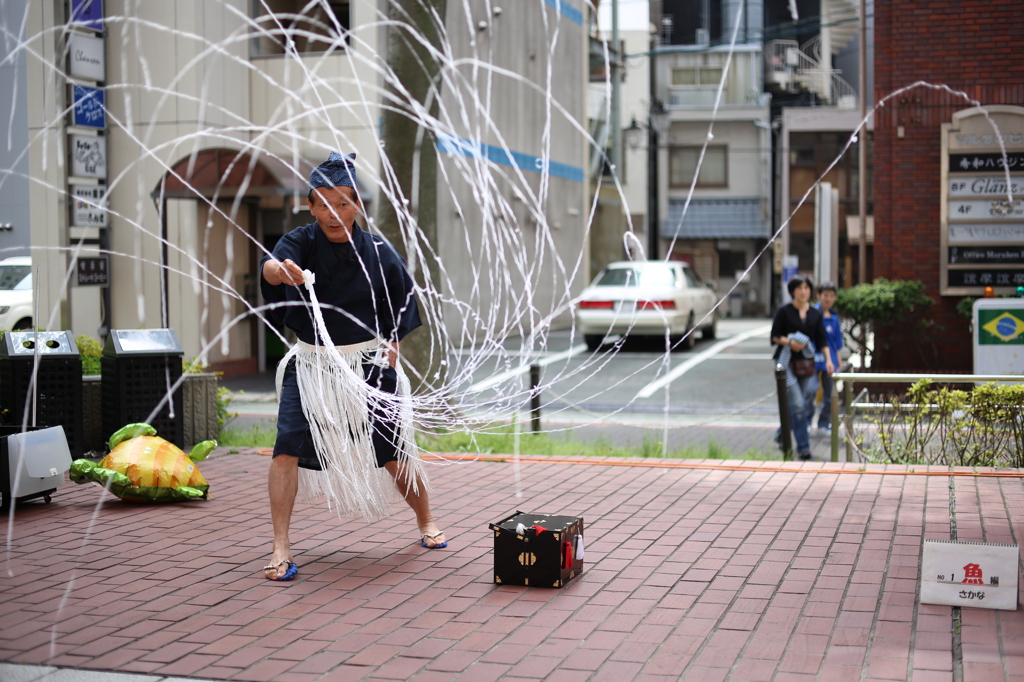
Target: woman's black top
x=787, y=320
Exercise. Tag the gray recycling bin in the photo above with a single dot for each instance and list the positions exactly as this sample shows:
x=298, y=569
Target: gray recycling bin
x=58, y=387
x=139, y=367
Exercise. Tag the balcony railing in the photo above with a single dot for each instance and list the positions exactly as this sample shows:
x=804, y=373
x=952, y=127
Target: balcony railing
x=789, y=66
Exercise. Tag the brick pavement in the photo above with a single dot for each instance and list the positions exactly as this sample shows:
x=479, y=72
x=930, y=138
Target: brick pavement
x=691, y=574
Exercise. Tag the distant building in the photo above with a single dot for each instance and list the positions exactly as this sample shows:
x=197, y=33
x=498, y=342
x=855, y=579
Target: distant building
x=942, y=215
x=624, y=208
x=727, y=221
x=15, y=208
x=809, y=141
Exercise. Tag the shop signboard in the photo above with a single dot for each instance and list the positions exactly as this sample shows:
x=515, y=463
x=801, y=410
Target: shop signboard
x=93, y=271
x=90, y=205
x=998, y=336
x=89, y=110
x=87, y=14
x=982, y=201
x=88, y=156
x=86, y=57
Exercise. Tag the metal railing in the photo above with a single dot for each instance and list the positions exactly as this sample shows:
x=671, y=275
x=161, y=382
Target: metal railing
x=784, y=57
x=851, y=405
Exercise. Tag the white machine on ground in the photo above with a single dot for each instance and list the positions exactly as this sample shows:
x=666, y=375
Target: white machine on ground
x=32, y=463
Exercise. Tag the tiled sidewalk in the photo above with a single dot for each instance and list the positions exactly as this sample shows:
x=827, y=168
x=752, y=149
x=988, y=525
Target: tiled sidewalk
x=691, y=573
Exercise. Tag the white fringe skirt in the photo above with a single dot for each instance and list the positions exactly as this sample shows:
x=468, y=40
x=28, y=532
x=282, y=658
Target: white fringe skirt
x=341, y=407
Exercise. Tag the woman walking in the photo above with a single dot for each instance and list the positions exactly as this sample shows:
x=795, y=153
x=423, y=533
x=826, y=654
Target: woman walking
x=797, y=331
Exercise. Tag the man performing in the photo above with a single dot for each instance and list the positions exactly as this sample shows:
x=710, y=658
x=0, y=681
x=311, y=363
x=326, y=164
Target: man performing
x=345, y=415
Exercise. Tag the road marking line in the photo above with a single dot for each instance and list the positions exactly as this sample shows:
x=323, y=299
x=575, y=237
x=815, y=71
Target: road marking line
x=525, y=367
x=700, y=357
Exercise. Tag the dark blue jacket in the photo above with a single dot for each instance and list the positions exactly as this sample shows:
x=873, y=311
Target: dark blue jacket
x=369, y=295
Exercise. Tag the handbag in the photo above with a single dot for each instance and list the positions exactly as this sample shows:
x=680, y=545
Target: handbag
x=801, y=366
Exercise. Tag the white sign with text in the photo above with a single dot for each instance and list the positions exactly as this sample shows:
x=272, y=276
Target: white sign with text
x=985, y=186
x=87, y=57
x=974, y=574
x=986, y=209
x=984, y=233
x=90, y=205
x=88, y=156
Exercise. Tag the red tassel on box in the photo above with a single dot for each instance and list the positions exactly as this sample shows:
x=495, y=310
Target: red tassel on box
x=566, y=555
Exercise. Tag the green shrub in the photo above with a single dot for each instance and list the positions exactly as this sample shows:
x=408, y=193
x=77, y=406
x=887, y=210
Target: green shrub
x=223, y=401
x=884, y=303
x=980, y=427
x=90, y=350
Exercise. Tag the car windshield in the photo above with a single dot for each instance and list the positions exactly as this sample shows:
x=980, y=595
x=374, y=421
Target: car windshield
x=13, y=275
x=635, y=277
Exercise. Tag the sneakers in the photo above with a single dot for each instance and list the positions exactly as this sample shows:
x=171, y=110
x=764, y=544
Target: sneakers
x=825, y=431
x=804, y=456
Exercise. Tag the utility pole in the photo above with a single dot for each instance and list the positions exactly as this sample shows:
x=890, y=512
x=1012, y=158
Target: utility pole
x=862, y=150
x=653, y=195
x=412, y=152
x=616, y=76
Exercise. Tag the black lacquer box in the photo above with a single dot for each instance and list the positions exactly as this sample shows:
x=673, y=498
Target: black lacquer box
x=537, y=550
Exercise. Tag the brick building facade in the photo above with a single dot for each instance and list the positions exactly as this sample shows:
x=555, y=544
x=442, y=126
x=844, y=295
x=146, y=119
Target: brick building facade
x=973, y=46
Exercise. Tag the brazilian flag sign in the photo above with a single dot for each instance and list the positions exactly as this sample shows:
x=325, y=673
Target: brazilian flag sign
x=1000, y=327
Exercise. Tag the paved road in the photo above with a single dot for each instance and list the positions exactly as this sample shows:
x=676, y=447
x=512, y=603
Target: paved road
x=722, y=390
x=720, y=375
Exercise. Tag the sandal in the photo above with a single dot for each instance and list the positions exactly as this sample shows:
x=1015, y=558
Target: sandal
x=436, y=545
x=292, y=571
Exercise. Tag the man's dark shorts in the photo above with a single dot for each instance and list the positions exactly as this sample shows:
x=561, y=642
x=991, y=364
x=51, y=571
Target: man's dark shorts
x=294, y=438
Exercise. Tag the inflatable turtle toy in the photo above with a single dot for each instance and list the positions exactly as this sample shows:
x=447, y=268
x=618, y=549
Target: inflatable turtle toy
x=142, y=467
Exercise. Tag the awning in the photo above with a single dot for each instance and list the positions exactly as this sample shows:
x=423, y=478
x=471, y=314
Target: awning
x=732, y=218
x=223, y=173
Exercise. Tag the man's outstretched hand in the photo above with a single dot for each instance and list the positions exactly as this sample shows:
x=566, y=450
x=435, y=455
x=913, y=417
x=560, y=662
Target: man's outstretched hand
x=282, y=272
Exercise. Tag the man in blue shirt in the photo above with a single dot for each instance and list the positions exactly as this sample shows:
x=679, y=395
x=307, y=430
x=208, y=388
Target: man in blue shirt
x=344, y=417
x=827, y=293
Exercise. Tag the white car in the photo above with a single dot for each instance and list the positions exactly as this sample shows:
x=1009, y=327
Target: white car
x=646, y=298
x=15, y=293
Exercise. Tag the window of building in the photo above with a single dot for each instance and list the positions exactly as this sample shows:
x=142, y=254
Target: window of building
x=687, y=76
x=696, y=76
x=732, y=262
x=682, y=162
x=288, y=26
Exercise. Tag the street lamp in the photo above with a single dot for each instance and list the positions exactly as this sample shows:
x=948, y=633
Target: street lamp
x=634, y=134
x=658, y=122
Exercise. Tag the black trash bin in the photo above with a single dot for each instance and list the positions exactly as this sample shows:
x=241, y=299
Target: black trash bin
x=139, y=367
x=58, y=389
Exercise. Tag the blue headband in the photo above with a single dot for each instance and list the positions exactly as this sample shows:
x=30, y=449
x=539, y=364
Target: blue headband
x=336, y=171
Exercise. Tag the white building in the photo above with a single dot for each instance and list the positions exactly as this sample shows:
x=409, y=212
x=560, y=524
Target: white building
x=722, y=225
x=217, y=110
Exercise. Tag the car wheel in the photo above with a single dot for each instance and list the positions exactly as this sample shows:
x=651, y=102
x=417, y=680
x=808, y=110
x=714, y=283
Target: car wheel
x=688, y=341
x=24, y=324
x=711, y=331
x=593, y=341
